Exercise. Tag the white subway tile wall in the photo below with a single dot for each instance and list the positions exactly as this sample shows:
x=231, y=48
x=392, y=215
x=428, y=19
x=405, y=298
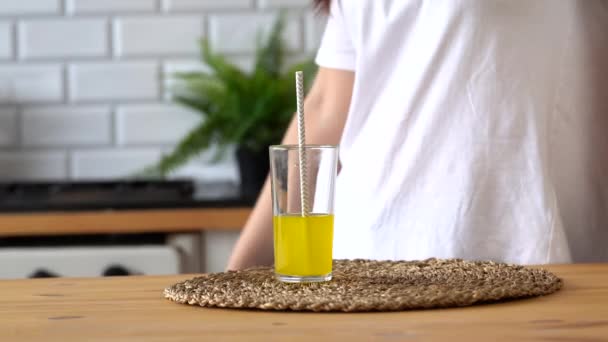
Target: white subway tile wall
x=28, y=7
x=144, y=36
x=8, y=126
x=237, y=33
x=109, y=6
x=314, y=27
x=62, y=38
x=66, y=126
x=199, y=5
x=100, y=164
x=283, y=3
x=85, y=84
x=33, y=165
x=113, y=81
x=157, y=118
x=26, y=83
x=6, y=40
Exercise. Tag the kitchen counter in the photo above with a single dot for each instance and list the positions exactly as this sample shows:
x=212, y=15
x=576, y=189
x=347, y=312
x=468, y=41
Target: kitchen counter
x=165, y=220
x=116, y=195
x=133, y=309
x=40, y=209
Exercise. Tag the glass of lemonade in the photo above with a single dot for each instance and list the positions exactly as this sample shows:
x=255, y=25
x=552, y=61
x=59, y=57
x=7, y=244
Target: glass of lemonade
x=303, y=241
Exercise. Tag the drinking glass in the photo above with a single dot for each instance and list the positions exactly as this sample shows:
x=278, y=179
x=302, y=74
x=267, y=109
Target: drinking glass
x=303, y=234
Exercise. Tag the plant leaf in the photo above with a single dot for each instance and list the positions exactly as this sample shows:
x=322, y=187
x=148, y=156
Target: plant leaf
x=270, y=57
x=239, y=108
x=197, y=140
x=225, y=71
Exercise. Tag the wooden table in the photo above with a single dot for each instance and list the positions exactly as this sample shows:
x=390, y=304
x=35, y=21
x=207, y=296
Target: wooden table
x=133, y=309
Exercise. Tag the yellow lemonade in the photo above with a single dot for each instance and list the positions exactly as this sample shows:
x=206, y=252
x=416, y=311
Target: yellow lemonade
x=303, y=245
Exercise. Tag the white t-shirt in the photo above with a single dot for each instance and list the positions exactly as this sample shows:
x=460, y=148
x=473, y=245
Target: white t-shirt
x=477, y=129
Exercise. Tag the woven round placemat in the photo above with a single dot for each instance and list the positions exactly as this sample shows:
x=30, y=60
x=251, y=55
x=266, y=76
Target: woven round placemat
x=365, y=285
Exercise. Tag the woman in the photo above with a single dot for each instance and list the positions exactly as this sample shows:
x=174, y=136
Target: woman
x=472, y=129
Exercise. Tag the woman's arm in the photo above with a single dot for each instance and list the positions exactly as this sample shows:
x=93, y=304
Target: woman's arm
x=326, y=108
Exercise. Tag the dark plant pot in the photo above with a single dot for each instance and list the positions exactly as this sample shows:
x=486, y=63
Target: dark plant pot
x=253, y=169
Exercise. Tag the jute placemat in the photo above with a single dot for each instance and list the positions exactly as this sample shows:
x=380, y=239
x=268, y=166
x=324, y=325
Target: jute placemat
x=365, y=285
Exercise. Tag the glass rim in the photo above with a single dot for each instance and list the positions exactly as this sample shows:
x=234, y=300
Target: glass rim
x=307, y=146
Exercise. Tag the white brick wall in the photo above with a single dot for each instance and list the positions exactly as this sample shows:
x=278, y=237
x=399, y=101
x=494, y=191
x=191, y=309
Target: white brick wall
x=314, y=27
x=84, y=84
x=21, y=83
x=143, y=36
x=8, y=126
x=283, y=3
x=108, y=81
x=33, y=165
x=26, y=7
x=204, y=5
x=66, y=126
x=62, y=38
x=237, y=33
x=131, y=129
x=6, y=40
x=98, y=164
x=109, y=6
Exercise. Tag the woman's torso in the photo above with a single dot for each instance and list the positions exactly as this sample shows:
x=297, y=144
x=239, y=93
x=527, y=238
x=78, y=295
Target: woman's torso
x=476, y=130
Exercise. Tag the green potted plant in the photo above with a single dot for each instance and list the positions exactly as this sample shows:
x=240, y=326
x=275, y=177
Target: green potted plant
x=249, y=110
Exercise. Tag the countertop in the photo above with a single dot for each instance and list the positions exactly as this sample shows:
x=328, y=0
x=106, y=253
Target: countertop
x=133, y=309
x=43, y=209
x=117, y=195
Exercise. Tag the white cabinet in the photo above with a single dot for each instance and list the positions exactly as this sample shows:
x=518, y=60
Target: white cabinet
x=89, y=261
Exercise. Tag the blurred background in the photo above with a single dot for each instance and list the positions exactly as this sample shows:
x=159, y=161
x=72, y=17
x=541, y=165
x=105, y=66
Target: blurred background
x=86, y=102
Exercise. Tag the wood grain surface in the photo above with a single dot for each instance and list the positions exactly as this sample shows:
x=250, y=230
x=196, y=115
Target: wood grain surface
x=133, y=309
x=122, y=221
